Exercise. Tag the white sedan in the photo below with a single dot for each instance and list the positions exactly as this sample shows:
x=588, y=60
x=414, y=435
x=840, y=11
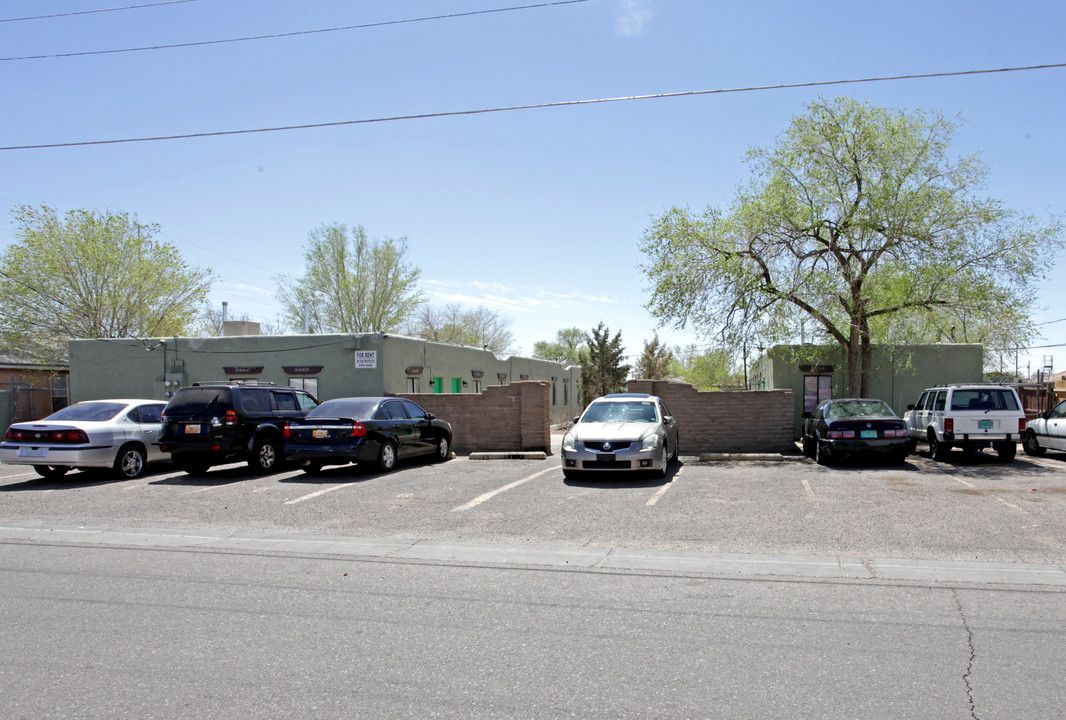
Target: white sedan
x=117, y=434
x=1047, y=432
x=624, y=431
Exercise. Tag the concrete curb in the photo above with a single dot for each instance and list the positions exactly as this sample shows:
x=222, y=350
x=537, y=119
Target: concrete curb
x=516, y=455
x=765, y=457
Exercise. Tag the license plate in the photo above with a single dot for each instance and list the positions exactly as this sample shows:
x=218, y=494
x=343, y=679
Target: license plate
x=985, y=424
x=320, y=433
x=192, y=429
x=32, y=452
x=868, y=434
x=605, y=458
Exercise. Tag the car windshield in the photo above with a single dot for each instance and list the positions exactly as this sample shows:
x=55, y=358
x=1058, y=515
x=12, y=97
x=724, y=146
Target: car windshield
x=620, y=412
x=97, y=411
x=984, y=399
x=859, y=408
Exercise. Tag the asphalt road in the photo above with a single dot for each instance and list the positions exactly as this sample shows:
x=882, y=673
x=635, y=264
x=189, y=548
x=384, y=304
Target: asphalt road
x=493, y=589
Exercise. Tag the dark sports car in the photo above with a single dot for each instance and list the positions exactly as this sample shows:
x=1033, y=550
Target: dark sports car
x=854, y=426
x=374, y=430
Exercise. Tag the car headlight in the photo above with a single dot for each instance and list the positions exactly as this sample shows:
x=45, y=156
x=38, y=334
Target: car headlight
x=569, y=442
x=650, y=442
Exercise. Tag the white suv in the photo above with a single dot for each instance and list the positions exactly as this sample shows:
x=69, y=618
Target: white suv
x=971, y=417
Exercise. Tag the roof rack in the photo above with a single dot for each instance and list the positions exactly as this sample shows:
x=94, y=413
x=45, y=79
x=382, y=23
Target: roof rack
x=243, y=383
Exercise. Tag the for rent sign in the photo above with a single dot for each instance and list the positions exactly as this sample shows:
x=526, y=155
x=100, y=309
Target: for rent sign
x=366, y=359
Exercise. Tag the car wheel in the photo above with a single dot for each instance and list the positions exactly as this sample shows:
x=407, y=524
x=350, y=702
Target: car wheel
x=939, y=450
x=673, y=453
x=820, y=455
x=387, y=456
x=808, y=447
x=912, y=445
x=1006, y=450
x=312, y=468
x=444, y=449
x=570, y=474
x=51, y=471
x=265, y=455
x=1031, y=446
x=130, y=462
x=664, y=461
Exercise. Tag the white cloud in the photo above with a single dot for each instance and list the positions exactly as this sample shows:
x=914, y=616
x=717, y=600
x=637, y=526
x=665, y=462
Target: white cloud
x=633, y=15
x=519, y=299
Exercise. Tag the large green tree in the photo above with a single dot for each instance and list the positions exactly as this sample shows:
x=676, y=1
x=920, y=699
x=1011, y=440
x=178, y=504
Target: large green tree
x=705, y=368
x=654, y=362
x=568, y=346
x=602, y=371
x=452, y=323
x=351, y=284
x=860, y=224
x=90, y=274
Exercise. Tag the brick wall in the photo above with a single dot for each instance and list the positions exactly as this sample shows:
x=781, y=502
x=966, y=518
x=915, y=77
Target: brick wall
x=501, y=418
x=748, y=421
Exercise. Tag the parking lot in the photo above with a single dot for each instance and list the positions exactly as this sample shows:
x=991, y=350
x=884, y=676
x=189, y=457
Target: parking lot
x=969, y=509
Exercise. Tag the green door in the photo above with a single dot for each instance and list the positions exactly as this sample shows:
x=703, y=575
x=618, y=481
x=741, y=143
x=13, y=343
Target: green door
x=457, y=385
x=438, y=385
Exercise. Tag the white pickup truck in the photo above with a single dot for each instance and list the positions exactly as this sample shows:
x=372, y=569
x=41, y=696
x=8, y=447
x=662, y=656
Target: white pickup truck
x=970, y=417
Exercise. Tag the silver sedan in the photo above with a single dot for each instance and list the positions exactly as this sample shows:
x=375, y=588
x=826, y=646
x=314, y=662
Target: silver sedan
x=625, y=431
x=117, y=434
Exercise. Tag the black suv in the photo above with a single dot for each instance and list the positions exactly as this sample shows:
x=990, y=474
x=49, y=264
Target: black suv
x=205, y=424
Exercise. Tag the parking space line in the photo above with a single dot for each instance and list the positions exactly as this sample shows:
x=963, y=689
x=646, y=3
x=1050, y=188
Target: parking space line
x=662, y=491
x=493, y=493
x=323, y=491
x=807, y=487
x=993, y=495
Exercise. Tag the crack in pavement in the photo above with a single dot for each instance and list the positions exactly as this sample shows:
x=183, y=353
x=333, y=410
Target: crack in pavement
x=969, y=665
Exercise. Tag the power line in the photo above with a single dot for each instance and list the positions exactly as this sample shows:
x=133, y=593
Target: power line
x=535, y=106
x=90, y=12
x=201, y=43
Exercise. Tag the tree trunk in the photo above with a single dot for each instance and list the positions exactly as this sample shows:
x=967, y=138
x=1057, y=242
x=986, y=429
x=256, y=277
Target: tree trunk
x=853, y=357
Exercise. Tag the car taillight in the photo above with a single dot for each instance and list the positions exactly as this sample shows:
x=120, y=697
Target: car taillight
x=841, y=434
x=1021, y=424
x=230, y=418
x=66, y=437
x=285, y=431
x=358, y=429
x=949, y=425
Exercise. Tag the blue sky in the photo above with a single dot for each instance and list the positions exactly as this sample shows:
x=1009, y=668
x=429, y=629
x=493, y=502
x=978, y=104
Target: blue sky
x=536, y=213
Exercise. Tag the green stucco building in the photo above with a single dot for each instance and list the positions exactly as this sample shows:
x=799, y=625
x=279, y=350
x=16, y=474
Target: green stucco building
x=328, y=366
x=900, y=372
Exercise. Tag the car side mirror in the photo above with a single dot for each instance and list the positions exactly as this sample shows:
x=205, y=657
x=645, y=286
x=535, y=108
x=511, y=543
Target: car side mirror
x=910, y=407
x=430, y=416
x=668, y=419
x=807, y=415
x=577, y=418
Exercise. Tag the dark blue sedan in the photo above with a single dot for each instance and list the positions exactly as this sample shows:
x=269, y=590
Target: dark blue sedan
x=373, y=430
x=854, y=426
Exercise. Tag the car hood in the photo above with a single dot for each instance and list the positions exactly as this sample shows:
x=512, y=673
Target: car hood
x=613, y=431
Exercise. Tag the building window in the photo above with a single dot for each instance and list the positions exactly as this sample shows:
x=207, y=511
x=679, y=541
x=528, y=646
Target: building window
x=60, y=393
x=477, y=386
x=310, y=384
x=816, y=388
x=412, y=384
